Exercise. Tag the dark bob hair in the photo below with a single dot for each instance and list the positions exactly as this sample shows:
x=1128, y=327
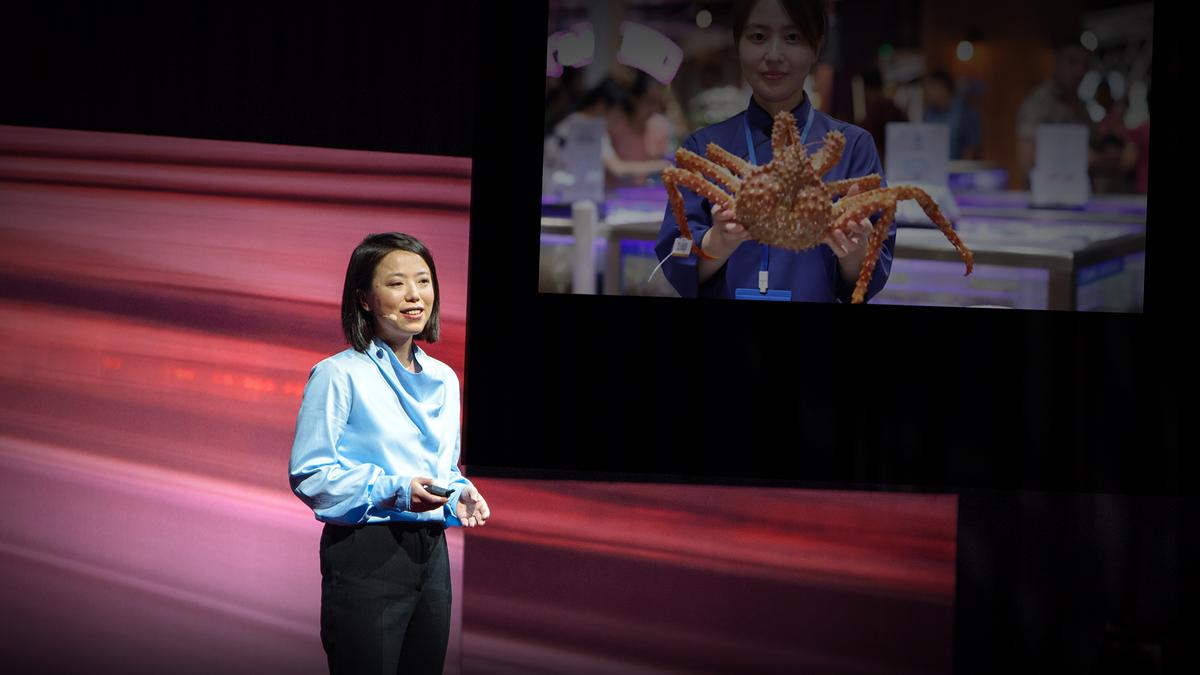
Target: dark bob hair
x=808, y=15
x=359, y=324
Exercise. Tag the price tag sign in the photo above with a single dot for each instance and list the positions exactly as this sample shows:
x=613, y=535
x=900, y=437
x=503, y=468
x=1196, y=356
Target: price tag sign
x=581, y=175
x=1060, y=173
x=917, y=153
x=682, y=247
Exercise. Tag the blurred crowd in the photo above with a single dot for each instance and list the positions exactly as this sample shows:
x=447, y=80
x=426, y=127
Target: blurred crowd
x=645, y=121
x=642, y=121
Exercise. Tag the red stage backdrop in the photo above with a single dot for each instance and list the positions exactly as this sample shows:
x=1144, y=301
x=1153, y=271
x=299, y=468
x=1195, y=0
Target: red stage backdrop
x=163, y=301
x=587, y=577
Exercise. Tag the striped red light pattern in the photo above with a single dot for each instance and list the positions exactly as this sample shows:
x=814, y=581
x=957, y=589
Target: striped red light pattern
x=161, y=303
x=604, y=578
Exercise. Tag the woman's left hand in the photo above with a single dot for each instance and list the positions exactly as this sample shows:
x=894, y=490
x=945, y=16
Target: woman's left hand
x=472, y=508
x=851, y=246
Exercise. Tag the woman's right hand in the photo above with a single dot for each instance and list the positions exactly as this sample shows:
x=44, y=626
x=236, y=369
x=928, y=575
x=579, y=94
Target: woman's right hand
x=422, y=499
x=725, y=235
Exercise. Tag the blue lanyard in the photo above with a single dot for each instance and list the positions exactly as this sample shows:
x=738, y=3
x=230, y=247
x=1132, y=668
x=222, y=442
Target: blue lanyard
x=754, y=160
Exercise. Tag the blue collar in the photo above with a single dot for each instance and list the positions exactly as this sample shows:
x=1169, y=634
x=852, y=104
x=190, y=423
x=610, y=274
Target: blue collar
x=759, y=118
x=750, y=137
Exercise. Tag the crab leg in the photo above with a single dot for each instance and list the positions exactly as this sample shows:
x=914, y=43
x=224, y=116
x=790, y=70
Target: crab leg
x=880, y=199
x=831, y=151
x=737, y=165
x=854, y=209
x=783, y=132
x=686, y=159
x=935, y=214
x=869, y=182
x=690, y=174
x=874, y=246
x=673, y=177
x=862, y=205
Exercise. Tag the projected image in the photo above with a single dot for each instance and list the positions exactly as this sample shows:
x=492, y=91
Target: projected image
x=851, y=151
x=162, y=301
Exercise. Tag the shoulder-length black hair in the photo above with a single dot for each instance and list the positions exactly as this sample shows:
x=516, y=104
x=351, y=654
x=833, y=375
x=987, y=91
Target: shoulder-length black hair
x=808, y=15
x=359, y=324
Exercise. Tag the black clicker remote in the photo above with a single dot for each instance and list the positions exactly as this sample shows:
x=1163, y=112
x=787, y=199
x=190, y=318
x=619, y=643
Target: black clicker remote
x=439, y=491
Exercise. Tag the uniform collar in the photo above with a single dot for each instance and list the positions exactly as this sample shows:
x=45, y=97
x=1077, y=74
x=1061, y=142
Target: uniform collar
x=760, y=119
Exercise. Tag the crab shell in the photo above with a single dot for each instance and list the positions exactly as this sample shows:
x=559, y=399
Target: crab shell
x=784, y=203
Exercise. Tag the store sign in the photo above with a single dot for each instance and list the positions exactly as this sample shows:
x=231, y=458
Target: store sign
x=917, y=153
x=1060, y=171
x=574, y=170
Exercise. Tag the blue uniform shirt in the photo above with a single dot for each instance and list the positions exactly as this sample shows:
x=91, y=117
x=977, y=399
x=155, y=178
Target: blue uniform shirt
x=812, y=275
x=367, y=427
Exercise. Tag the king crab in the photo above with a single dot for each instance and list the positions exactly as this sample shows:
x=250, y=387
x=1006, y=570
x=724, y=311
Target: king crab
x=784, y=203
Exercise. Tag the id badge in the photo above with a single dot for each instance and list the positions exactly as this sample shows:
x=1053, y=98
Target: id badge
x=762, y=292
x=755, y=294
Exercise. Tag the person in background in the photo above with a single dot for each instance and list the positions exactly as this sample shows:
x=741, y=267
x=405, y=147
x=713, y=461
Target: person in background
x=717, y=101
x=1116, y=154
x=598, y=104
x=562, y=94
x=880, y=109
x=1115, y=109
x=1109, y=156
x=639, y=132
x=829, y=62
x=1055, y=101
x=677, y=122
x=944, y=106
x=1140, y=135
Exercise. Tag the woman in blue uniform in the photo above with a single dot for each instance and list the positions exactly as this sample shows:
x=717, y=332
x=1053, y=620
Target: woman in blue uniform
x=778, y=42
x=377, y=436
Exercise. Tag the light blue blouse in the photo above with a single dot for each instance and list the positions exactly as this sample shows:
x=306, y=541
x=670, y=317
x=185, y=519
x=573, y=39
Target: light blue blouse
x=367, y=427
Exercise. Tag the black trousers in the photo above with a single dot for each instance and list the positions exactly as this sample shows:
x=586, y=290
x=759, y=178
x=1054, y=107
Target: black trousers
x=385, y=598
